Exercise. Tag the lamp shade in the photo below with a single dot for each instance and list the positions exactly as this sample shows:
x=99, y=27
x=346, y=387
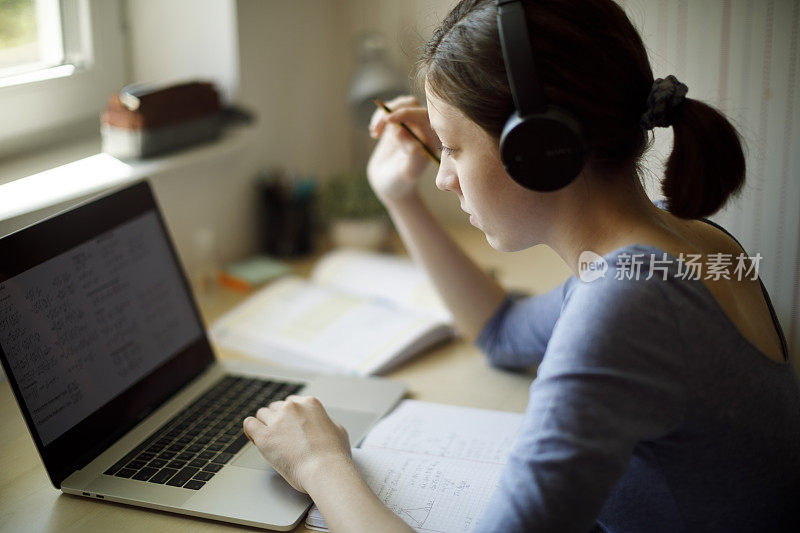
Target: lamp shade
x=375, y=76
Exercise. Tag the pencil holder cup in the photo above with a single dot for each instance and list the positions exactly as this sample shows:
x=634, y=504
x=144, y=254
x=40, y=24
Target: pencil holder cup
x=286, y=215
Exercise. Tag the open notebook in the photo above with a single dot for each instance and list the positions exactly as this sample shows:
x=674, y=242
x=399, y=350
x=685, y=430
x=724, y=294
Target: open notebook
x=359, y=313
x=435, y=466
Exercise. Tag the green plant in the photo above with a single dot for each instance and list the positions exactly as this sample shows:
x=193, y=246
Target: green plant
x=349, y=196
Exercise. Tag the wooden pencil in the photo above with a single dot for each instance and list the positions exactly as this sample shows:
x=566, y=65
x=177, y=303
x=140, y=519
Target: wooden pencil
x=428, y=151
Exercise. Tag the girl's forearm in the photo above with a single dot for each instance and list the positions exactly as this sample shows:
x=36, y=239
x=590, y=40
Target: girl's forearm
x=470, y=293
x=346, y=501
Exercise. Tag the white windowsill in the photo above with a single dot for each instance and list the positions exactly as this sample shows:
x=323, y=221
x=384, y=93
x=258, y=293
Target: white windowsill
x=41, y=74
x=87, y=171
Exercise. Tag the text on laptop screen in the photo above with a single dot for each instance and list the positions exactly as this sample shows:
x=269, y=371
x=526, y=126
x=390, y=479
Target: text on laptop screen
x=85, y=325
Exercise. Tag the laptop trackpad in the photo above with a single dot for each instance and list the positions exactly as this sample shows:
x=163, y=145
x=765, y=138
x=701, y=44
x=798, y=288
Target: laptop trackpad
x=355, y=422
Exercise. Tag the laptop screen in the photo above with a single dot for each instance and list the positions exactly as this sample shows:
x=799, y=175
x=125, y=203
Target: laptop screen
x=82, y=326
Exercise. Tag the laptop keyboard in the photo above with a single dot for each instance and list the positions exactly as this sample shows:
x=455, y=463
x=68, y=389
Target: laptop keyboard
x=200, y=440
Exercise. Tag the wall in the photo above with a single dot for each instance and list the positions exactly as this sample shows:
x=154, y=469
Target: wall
x=296, y=62
x=742, y=56
x=197, y=39
x=184, y=39
x=292, y=76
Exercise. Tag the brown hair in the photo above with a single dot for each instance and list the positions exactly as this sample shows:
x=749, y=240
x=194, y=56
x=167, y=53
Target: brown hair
x=592, y=62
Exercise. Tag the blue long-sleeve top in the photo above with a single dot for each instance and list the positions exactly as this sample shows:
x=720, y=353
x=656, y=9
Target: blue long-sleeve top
x=650, y=411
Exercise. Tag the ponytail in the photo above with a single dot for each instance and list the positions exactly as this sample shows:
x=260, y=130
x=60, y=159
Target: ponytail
x=706, y=165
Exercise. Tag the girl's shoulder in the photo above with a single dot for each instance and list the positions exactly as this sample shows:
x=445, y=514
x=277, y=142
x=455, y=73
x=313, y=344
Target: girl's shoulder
x=622, y=320
x=635, y=293
x=631, y=270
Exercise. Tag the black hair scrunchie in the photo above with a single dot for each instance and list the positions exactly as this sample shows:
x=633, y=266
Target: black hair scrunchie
x=665, y=96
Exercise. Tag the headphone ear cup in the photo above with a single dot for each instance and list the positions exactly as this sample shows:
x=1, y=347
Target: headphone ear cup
x=543, y=152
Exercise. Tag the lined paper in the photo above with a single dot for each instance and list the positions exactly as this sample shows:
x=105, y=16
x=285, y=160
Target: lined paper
x=435, y=466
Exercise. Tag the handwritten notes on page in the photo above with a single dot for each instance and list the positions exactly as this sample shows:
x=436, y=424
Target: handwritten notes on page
x=446, y=431
x=435, y=466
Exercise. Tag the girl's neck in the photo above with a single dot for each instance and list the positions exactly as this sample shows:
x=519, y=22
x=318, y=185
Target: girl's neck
x=603, y=214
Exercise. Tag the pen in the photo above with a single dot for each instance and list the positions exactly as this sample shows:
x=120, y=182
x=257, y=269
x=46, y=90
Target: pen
x=428, y=151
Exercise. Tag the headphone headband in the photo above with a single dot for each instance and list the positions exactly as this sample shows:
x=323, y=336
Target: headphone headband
x=522, y=80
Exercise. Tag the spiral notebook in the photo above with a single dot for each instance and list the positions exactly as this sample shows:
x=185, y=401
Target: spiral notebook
x=435, y=466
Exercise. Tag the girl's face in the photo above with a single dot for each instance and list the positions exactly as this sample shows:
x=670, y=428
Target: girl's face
x=507, y=213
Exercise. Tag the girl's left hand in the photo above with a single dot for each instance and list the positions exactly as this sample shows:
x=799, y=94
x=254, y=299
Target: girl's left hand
x=297, y=437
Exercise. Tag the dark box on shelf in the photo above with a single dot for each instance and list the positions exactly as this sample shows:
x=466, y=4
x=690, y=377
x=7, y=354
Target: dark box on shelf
x=143, y=121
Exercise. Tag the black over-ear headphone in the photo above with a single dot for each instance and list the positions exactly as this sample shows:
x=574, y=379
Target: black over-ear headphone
x=542, y=146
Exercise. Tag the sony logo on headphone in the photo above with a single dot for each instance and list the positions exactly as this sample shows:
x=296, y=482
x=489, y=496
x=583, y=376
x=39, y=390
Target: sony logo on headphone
x=554, y=152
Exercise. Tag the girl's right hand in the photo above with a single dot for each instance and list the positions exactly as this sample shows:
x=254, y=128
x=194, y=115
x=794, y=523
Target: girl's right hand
x=398, y=160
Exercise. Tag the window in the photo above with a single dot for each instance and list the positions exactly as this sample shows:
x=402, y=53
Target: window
x=60, y=60
x=30, y=36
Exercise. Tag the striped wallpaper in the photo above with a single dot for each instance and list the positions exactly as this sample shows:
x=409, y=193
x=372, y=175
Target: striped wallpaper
x=742, y=57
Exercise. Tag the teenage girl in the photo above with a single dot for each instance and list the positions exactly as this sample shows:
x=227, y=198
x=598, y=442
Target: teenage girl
x=663, y=401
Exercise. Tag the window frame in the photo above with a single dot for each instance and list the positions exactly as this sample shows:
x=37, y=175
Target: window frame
x=75, y=91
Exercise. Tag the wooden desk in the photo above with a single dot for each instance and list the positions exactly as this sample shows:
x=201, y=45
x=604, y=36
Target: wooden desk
x=454, y=373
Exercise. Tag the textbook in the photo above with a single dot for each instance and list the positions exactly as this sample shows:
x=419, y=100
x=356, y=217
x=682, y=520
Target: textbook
x=359, y=313
x=435, y=466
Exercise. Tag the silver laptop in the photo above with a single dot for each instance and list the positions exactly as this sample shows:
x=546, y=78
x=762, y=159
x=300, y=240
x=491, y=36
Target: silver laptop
x=111, y=367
